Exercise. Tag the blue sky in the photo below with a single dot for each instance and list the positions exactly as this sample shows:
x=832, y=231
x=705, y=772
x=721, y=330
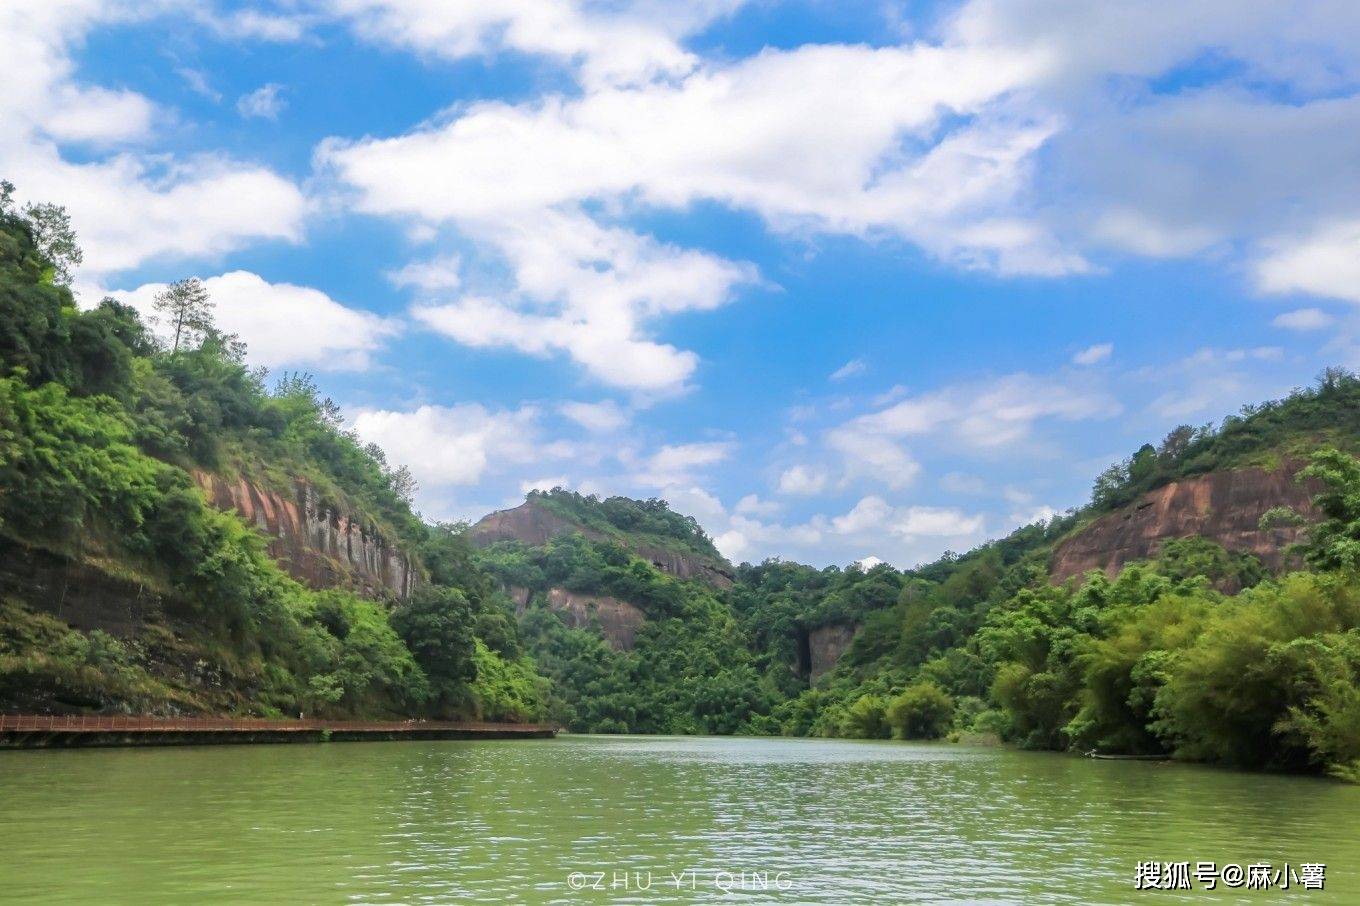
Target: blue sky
x=841, y=280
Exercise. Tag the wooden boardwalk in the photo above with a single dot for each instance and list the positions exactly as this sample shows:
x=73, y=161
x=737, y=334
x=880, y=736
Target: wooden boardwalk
x=23, y=731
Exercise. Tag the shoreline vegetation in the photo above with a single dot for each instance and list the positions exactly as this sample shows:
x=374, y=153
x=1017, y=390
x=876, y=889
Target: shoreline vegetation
x=1198, y=653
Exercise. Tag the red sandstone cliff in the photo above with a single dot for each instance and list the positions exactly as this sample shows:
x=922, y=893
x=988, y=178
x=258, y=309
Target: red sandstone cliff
x=619, y=621
x=1225, y=507
x=532, y=524
x=316, y=544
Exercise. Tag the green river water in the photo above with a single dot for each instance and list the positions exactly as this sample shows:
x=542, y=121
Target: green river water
x=808, y=821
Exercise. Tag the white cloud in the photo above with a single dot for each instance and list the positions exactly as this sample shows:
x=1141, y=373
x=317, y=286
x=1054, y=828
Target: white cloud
x=872, y=455
x=127, y=206
x=265, y=102
x=1092, y=355
x=873, y=515
x=268, y=317
x=675, y=465
x=610, y=42
x=802, y=480
x=981, y=415
x=442, y=273
x=849, y=369
x=543, y=484
x=752, y=505
x=1326, y=263
x=1304, y=319
x=935, y=142
x=455, y=446
x=1041, y=513
x=601, y=417
x=590, y=291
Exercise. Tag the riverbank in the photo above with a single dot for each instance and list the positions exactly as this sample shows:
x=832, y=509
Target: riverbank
x=39, y=732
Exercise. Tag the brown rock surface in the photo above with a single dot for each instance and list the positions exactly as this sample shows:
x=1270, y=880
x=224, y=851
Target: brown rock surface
x=532, y=524
x=316, y=544
x=1225, y=507
x=826, y=644
x=619, y=620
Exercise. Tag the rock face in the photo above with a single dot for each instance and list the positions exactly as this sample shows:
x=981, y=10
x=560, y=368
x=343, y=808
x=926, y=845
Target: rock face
x=76, y=593
x=1224, y=507
x=532, y=524
x=317, y=545
x=618, y=620
x=826, y=644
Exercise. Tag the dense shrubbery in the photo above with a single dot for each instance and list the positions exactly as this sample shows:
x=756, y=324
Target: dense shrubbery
x=689, y=672
x=98, y=424
x=1154, y=661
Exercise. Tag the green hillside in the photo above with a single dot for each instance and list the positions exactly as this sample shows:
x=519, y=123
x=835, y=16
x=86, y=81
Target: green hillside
x=122, y=590
x=630, y=522
x=99, y=424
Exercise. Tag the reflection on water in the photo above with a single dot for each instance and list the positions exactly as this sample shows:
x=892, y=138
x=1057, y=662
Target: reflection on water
x=510, y=822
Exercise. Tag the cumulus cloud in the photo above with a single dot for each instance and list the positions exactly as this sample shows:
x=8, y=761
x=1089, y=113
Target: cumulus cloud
x=128, y=206
x=936, y=142
x=802, y=480
x=443, y=273
x=617, y=42
x=453, y=447
x=979, y=417
x=265, y=102
x=905, y=534
x=674, y=465
x=267, y=316
x=590, y=291
x=1326, y=263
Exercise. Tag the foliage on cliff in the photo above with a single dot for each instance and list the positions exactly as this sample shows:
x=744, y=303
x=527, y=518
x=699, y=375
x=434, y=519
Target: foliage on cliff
x=1328, y=413
x=628, y=520
x=98, y=424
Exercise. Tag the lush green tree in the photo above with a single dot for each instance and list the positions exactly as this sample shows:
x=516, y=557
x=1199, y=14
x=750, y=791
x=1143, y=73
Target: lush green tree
x=1334, y=543
x=436, y=623
x=920, y=711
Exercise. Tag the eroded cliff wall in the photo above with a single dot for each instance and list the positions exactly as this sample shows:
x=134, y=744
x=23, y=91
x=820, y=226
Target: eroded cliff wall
x=619, y=621
x=316, y=544
x=1225, y=507
x=826, y=644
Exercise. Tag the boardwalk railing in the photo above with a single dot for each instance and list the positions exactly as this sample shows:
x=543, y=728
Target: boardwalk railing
x=114, y=724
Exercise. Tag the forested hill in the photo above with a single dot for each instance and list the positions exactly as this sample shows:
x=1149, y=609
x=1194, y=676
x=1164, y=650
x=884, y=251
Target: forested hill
x=161, y=505
x=1201, y=647
x=650, y=529
x=123, y=589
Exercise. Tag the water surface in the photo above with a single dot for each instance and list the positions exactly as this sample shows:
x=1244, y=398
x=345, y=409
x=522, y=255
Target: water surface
x=528, y=821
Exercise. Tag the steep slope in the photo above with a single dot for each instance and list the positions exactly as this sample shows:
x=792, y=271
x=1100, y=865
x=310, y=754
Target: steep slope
x=1224, y=507
x=149, y=561
x=319, y=544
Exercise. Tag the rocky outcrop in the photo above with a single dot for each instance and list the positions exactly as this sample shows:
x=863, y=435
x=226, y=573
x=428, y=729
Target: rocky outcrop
x=1225, y=507
x=533, y=524
x=618, y=620
x=826, y=644
x=80, y=594
x=316, y=544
